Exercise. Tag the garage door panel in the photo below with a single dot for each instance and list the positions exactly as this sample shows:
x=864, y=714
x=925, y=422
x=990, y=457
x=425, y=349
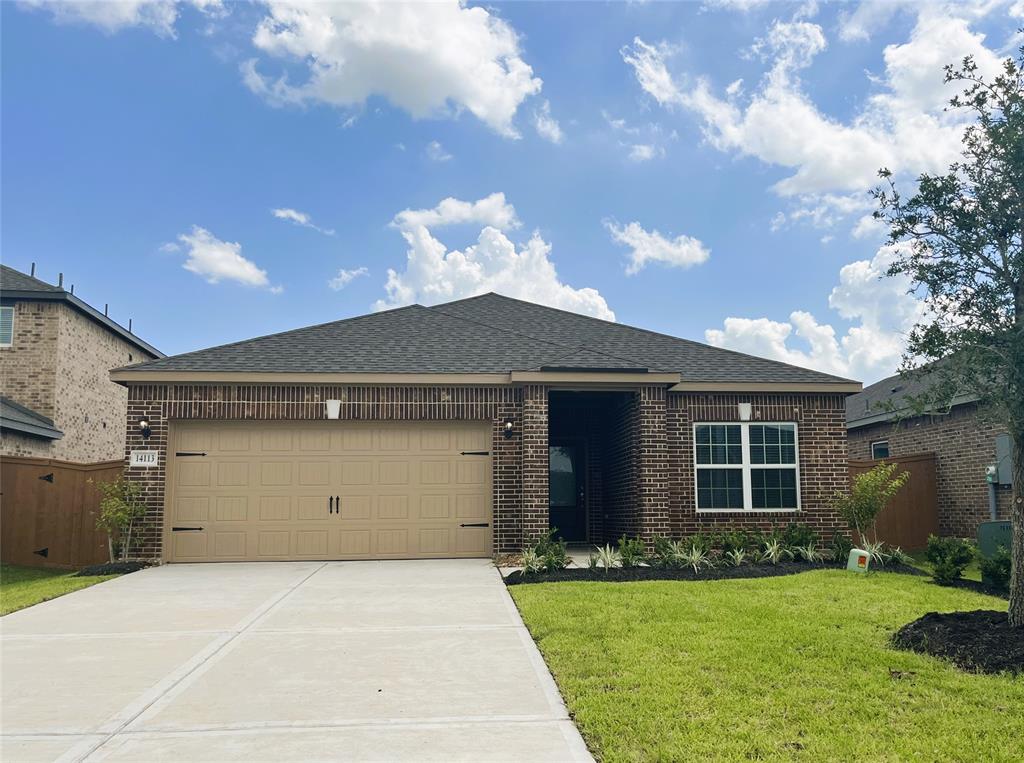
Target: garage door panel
x=267, y=490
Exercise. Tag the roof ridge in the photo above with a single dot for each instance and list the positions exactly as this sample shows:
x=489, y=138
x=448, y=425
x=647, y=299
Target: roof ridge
x=646, y=331
x=496, y=328
x=25, y=409
x=40, y=281
x=586, y=348
x=139, y=366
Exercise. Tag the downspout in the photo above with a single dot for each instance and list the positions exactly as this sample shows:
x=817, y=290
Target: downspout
x=993, y=512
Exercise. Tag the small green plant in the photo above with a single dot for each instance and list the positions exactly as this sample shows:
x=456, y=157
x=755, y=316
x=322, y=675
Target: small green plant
x=631, y=552
x=696, y=557
x=531, y=562
x=608, y=557
x=798, y=535
x=899, y=556
x=121, y=507
x=840, y=547
x=736, y=556
x=592, y=562
x=995, y=569
x=666, y=553
x=808, y=553
x=876, y=550
x=949, y=558
x=775, y=551
x=870, y=493
x=550, y=551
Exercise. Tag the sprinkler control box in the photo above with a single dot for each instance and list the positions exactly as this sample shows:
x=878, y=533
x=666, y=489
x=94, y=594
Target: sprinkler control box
x=858, y=560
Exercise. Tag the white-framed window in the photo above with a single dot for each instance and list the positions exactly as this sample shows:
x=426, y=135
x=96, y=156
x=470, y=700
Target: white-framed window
x=880, y=449
x=6, y=326
x=748, y=466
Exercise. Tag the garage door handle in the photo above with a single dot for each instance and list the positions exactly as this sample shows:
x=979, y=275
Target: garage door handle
x=476, y=524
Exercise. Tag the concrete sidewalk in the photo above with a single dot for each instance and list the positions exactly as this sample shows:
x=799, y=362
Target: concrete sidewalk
x=398, y=660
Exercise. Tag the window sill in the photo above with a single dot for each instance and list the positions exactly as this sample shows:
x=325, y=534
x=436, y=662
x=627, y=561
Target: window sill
x=748, y=511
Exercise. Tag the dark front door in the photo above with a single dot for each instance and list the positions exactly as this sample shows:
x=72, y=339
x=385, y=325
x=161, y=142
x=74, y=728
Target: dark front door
x=566, y=508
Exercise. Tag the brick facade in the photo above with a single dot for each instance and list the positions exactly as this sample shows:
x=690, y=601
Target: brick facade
x=964, y=444
x=58, y=366
x=640, y=446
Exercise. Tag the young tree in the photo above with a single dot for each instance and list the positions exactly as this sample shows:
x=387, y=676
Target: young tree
x=959, y=240
x=121, y=507
x=869, y=494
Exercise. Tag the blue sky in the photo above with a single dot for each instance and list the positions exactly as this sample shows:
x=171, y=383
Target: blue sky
x=699, y=169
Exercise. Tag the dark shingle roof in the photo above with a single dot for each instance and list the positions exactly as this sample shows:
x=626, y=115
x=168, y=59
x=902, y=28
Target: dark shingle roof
x=486, y=334
x=15, y=285
x=17, y=418
x=891, y=397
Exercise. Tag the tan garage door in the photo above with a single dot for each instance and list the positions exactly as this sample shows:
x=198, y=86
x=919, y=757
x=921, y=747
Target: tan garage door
x=328, y=490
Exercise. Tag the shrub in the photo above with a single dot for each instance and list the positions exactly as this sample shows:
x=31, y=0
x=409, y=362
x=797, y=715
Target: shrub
x=121, y=507
x=549, y=550
x=876, y=550
x=841, y=546
x=949, y=557
x=608, y=557
x=870, y=493
x=808, y=553
x=531, y=562
x=631, y=552
x=666, y=553
x=995, y=569
x=899, y=556
x=697, y=557
x=775, y=551
x=798, y=535
x=736, y=556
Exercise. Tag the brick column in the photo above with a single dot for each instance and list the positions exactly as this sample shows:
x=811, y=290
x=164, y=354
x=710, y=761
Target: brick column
x=535, y=461
x=148, y=402
x=652, y=463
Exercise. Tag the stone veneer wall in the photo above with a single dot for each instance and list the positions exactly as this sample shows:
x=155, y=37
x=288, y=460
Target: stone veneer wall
x=964, y=443
x=824, y=468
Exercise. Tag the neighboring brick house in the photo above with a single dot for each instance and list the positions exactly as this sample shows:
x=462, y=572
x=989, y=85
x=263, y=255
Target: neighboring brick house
x=881, y=424
x=56, y=397
x=466, y=428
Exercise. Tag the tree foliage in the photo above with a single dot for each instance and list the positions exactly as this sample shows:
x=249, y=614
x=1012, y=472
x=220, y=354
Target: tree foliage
x=121, y=508
x=959, y=239
x=869, y=494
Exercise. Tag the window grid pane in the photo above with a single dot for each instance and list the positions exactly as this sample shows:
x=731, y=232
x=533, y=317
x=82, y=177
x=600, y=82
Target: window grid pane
x=773, y=488
x=772, y=444
x=719, y=444
x=719, y=489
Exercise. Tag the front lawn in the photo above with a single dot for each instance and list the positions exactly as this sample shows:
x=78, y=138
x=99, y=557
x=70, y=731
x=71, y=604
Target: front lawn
x=22, y=587
x=795, y=667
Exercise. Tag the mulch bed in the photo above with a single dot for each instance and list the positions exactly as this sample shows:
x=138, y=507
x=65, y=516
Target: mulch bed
x=980, y=641
x=632, y=574
x=109, y=568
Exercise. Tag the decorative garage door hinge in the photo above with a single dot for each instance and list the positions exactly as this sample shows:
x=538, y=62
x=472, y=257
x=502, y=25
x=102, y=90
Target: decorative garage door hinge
x=476, y=524
x=475, y=453
x=185, y=529
x=188, y=453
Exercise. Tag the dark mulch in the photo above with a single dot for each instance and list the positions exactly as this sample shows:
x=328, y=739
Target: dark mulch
x=979, y=641
x=978, y=587
x=110, y=568
x=631, y=574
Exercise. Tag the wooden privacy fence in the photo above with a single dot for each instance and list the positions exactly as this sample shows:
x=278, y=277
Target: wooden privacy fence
x=48, y=512
x=913, y=513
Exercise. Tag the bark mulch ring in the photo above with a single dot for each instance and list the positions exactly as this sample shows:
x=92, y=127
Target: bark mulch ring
x=110, y=568
x=631, y=574
x=980, y=641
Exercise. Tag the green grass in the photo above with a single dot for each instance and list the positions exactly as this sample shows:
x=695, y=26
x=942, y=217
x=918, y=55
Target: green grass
x=795, y=667
x=972, y=572
x=22, y=587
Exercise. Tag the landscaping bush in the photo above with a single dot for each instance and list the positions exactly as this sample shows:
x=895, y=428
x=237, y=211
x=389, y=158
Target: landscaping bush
x=608, y=557
x=798, y=535
x=948, y=557
x=841, y=546
x=995, y=569
x=546, y=553
x=666, y=553
x=631, y=552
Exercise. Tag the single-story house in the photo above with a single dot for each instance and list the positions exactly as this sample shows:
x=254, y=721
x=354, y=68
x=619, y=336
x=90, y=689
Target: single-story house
x=882, y=424
x=464, y=429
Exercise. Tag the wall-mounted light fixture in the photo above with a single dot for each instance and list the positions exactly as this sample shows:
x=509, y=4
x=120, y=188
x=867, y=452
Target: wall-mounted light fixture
x=333, y=409
x=144, y=428
x=744, y=410
x=508, y=428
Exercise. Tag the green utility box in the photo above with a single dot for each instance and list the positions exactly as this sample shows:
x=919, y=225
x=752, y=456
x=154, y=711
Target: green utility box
x=992, y=535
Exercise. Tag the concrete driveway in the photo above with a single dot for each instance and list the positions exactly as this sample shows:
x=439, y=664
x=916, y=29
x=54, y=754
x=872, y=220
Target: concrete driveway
x=408, y=660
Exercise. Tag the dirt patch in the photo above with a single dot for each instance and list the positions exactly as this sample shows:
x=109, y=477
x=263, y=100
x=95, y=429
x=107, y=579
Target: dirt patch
x=979, y=641
x=109, y=568
x=631, y=574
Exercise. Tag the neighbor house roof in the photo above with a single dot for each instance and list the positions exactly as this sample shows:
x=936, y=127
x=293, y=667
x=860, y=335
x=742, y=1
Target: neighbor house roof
x=489, y=334
x=15, y=417
x=17, y=286
x=890, y=399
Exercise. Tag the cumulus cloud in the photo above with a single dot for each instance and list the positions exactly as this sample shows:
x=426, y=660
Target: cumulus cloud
x=433, y=273
x=642, y=152
x=436, y=152
x=882, y=312
x=651, y=246
x=299, y=218
x=217, y=260
x=430, y=59
x=159, y=16
x=903, y=125
x=345, y=277
x=546, y=125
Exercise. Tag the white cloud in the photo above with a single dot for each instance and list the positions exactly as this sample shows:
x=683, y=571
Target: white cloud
x=868, y=17
x=433, y=273
x=546, y=125
x=436, y=153
x=651, y=246
x=345, y=277
x=217, y=260
x=430, y=59
x=115, y=15
x=642, y=152
x=299, y=218
x=903, y=125
x=882, y=311
x=169, y=247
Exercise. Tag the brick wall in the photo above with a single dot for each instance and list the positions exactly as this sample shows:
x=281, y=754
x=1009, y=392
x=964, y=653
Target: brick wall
x=621, y=506
x=58, y=365
x=964, y=444
x=821, y=425
x=652, y=463
x=534, y=462
x=163, y=403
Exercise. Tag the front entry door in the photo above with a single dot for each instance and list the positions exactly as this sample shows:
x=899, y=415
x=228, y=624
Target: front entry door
x=566, y=507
